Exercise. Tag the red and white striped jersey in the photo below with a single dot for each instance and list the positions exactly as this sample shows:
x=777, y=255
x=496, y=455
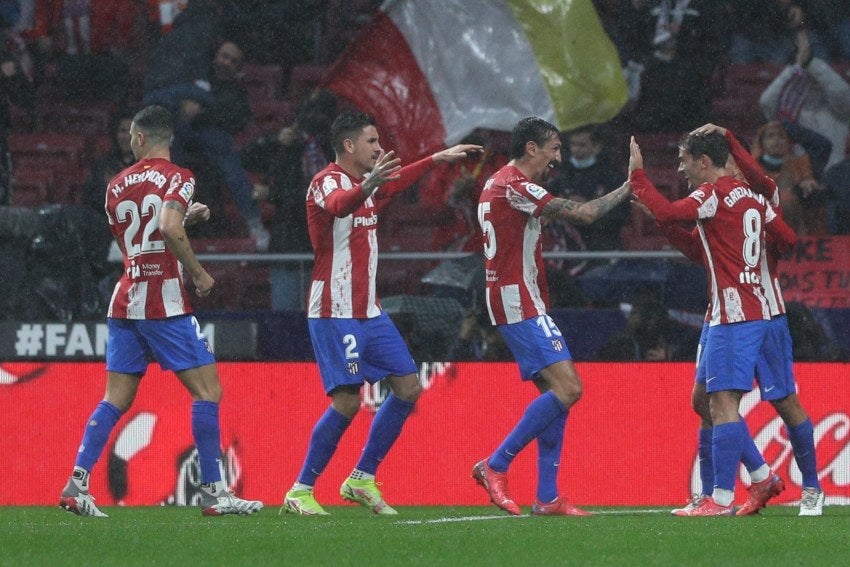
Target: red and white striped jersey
x=343, y=225
x=763, y=184
x=731, y=221
x=151, y=286
x=509, y=214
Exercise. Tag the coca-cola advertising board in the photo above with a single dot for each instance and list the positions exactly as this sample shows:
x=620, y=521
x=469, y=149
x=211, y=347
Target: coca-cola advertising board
x=631, y=440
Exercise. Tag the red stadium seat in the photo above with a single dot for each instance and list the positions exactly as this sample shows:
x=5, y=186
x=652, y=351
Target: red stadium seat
x=44, y=150
x=30, y=188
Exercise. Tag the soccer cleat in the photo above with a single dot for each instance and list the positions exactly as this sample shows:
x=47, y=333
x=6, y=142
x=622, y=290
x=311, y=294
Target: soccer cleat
x=560, y=507
x=82, y=505
x=226, y=502
x=496, y=485
x=694, y=502
x=708, y=507
x=760, y=493
x=75, y=497
x=365, y=491
x=303, y=502
x=811, y=502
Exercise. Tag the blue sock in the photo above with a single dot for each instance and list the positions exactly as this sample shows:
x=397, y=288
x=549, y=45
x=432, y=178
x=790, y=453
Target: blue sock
x=803, y=441
x=706, y=463
x=99, y=426
x=323, y=441
x=549, y=444
x=385, y=429
x=726, y=453
x=538, y=415
x=207, y=437
x=751, y=457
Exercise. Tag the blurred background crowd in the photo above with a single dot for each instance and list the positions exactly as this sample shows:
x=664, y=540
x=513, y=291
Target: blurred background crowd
x=243, y=80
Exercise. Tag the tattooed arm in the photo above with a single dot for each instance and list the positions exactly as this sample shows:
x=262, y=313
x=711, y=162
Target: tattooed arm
x=586, y=213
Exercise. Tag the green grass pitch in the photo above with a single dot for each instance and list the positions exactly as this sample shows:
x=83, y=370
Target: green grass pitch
x=421, y=536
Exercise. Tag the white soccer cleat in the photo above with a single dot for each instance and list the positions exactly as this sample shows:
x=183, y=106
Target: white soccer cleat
x=811, y=502
x=82, y=505
x=226, y=503
x=694, y=503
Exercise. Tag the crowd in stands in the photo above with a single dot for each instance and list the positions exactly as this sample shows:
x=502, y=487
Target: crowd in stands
x=241, y=79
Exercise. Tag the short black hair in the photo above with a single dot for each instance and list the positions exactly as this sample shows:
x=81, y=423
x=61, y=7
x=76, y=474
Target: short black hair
x=530, y=129
x=592, y=129
x=155, y=122
x=348, y=125
x=711, y=144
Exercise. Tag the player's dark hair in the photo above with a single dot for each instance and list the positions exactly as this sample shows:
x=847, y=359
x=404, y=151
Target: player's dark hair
x=155, y=122
x=592, y=129
x=530, y=129
x=712, y=144
x=348, y=125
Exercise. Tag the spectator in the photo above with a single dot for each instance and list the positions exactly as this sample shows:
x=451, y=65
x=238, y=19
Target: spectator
x=764, y=31
x=15, y=88
x=586, y=175
x=650, y=335
x=836, y=183
x=800, y=194
x=630, y=25
x=288, y=160
x=208, y=112
x=810, y=93
x=449, y=196
x=77, y=21
x=107, y=166
x=811, y=343
x=830, y=20
x=688, y=43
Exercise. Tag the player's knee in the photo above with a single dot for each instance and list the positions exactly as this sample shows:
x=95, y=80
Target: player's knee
x=210, y=393
x=407, y=388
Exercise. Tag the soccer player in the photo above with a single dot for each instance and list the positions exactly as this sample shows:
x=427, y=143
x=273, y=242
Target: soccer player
x=774, y=372
x=509, y=211
x=731, y=221
x=353, y=339
x=150, y=314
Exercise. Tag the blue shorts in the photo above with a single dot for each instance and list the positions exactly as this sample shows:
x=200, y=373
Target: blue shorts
x=775, y=368
x=731, y=353
x=351, y=351
x=176, y=343
x=535, y=343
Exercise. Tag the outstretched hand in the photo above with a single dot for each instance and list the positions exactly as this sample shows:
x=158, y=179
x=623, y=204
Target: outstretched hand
x=635, y=157
x=457, y=153
x=385, y=169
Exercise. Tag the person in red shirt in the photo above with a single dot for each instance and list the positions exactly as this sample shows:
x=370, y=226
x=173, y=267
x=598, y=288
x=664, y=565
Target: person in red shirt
x=353, y=338
x=732, y=221
x=150, y=313
x=517, y=297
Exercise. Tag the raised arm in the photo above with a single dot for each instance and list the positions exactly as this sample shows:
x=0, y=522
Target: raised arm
x=588, y=212
x=410, y=174
x=663, y=210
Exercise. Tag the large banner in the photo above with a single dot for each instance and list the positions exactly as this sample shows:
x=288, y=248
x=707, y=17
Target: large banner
x=630, y=441
x=817, y=272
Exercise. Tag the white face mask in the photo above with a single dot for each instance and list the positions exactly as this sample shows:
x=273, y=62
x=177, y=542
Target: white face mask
x=775, y=162
x=583, y=163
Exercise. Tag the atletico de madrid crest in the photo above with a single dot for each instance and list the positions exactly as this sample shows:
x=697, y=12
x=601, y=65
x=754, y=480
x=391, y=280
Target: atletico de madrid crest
x=353, y=367
x=557, y=345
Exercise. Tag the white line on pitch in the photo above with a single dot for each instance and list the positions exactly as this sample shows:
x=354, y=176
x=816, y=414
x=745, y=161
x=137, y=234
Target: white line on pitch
x=504, y=517
x=459, y=519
